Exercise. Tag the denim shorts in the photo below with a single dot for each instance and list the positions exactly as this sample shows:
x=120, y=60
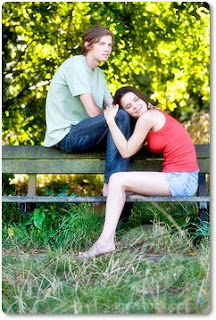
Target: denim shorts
x=182, y=183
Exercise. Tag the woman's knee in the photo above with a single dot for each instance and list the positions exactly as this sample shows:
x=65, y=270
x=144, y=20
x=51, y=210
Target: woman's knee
x=117, y=179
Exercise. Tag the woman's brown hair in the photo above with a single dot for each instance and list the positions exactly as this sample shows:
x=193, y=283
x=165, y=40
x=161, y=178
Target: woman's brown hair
x=122, y=91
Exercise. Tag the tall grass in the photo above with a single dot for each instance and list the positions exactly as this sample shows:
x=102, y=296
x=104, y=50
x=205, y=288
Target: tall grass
x=156, y=269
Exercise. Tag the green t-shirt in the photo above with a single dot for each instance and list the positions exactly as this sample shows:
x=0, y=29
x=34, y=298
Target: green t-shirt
x=63, y=105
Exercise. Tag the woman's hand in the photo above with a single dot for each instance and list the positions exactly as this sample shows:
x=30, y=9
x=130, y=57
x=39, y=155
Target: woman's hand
x=110, y=112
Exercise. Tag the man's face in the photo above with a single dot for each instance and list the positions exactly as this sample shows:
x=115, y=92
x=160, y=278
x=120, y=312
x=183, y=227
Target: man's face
x=102, y=49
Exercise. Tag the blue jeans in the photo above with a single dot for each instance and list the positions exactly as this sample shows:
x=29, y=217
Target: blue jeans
x=93, y=134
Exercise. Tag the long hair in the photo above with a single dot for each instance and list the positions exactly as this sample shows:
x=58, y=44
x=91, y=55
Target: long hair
x=122, y=91
x=93, y=35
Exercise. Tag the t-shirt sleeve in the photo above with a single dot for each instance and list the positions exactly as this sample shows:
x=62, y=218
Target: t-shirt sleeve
x=107, y=94
x=77, y=78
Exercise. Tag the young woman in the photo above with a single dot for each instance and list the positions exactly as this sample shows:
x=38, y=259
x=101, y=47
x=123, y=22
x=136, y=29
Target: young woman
x=160, y=133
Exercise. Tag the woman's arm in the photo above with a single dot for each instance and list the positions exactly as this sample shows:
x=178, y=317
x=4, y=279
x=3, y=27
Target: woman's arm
x=127, y=148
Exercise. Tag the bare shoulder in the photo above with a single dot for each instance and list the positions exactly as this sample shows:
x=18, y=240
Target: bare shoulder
x=146, y=121
x=152, y=119
x=150, y=115
x=154, y=114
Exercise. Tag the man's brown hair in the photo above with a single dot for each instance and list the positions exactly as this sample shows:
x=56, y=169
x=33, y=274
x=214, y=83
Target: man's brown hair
x=93, y=35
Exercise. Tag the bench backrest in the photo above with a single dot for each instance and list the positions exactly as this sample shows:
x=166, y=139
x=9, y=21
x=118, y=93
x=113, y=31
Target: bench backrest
x=42, y=160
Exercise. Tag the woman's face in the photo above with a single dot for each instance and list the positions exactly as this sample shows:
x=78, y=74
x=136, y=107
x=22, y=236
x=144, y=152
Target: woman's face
x=133, y=104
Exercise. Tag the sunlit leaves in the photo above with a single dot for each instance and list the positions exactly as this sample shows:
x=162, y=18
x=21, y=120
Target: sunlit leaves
x=162, y=48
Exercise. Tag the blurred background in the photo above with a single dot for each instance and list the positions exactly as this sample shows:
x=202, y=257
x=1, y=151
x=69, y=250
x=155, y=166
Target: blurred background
x=161, y=48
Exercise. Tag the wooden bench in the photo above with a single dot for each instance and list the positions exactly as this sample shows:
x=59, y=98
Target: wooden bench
x=33, y=160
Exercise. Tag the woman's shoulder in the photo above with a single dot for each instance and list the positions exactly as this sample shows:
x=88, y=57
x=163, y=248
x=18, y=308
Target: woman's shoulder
x=153, y=113
x=148, y=117
x=153, y=118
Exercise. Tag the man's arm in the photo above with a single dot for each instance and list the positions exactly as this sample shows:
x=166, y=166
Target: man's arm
x=91, y=108
x=107, y=101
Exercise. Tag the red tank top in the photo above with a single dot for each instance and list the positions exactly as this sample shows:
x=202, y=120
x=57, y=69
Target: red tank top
x=174, y=142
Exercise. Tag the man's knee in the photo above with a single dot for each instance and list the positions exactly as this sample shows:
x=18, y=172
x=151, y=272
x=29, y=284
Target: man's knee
x=122, y=114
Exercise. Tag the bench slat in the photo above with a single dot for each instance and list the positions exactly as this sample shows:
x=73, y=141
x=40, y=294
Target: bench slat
x=134, y=198
x=40, y=152
x=94, y=166
x=53, y=166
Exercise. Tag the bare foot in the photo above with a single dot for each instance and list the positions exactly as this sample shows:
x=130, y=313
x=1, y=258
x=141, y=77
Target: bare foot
x=97, y=249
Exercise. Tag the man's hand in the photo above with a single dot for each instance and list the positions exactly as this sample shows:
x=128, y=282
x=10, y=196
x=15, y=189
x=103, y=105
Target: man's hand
x=150, y=106
x=110, y=112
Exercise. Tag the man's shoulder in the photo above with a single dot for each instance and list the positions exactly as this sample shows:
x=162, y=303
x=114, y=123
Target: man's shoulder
x=74, y=60
x=75, y=64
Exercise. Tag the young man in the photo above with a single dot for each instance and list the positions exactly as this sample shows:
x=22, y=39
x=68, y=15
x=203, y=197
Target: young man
x=77, y=94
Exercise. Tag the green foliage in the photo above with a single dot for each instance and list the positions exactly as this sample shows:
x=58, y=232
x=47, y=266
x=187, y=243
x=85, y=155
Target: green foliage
x=162, y=48
x=38, y=217
x=63, y=185
x=76, y=226
x=199, y=127
x=10, y=212
x=153, y=271
x=54, y=184
x=183, y=213
x=56, y=225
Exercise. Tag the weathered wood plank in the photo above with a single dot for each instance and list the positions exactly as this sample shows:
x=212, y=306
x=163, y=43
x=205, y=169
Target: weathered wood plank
x=40, y=152
x=134, y=198
x=53, y=166
x=203, y=150
x=34, y=160
x=32, y=185
x=93, y=166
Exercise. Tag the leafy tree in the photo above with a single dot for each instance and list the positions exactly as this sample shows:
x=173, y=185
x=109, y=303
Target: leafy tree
x=162, y=48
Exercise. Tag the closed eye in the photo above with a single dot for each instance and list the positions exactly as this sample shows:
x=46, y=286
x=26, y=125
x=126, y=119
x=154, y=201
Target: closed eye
x=127, y=106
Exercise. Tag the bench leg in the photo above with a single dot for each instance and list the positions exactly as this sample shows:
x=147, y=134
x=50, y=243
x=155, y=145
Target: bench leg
x=126, y=211
x=26, y=207
x=203, y=216
x=203, y=206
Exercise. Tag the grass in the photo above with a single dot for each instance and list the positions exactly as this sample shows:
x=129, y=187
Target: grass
x=156, y=269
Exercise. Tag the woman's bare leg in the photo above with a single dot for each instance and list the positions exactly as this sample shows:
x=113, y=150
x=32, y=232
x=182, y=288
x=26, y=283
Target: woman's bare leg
x=105, y=190
x=145, y=183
